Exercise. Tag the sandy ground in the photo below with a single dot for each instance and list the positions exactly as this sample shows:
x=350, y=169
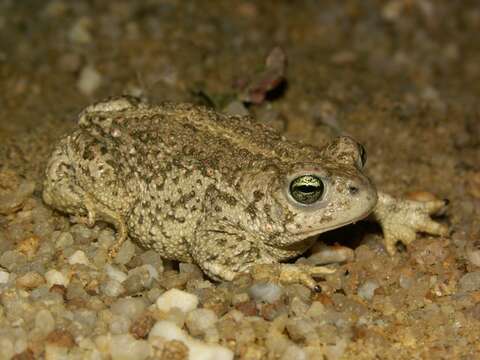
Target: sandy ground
x=401, y=76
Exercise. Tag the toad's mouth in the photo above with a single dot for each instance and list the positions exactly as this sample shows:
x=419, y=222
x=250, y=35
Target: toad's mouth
x=313, y=232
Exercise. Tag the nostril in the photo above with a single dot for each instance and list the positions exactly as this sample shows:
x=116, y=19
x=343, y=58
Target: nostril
x=353, y=189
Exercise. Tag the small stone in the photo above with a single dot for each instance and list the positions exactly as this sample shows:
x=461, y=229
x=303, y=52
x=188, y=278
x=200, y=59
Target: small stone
x=89, y=80
x=82, y=234
x=474, y=257
x=12, y=259
x=470, y=282
x=44, y=321
x=323, y=254
x=125, y=253
x=55, y=277
x=126, y=347
x=61, y=338
x=170, y=331
x=16, y=192
x=119, y=324
x=78, y=257
x=64, y=240
x=129, y=307
x=177, y=298
x=174, y=350
x=30, y=280
x=473, y=184
x=115, y=274
x=29, y=246
x=80, y=31
x=4, y=277
x=112, y=288
x=142, y=325
x=267, y=292
x=145, y=274
x=198, y=321
x=367, y=289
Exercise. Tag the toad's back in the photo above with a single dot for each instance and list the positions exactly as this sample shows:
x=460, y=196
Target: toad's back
x=159, y=166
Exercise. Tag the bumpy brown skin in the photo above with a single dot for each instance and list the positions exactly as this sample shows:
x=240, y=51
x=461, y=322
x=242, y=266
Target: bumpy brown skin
x=199, y=186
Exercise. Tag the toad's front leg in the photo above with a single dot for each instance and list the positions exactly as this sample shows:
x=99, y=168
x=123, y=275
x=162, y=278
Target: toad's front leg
x=402, y=219
x=224, y=250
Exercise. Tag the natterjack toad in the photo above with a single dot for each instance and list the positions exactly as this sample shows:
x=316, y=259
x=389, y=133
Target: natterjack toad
x=221, y=191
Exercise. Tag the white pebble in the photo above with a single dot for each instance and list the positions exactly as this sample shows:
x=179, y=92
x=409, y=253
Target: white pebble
x=115, y=274
x=175, y=298
x=197, y=350
x=119, y=324
x=89, y=80
x=4, y=277
x=200, y=320
x=55, y=277
x=367, y=290
x=267, y=292
x=126, y=347
x=78, y=257
x=129, y=307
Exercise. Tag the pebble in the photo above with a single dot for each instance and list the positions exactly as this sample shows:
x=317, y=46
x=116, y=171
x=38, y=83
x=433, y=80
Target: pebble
x=197, y=350
x=4, y=277
x=267, y=292
x=80, y=31
x=324, y=254
x=198, y=321
x=147, y=273
x=44, y=322
x=55, y=277
x=129, y=307
x=89, y=80
x=126, y=347
x=112, y=288
x=367, y=289
x=29, y=246
x=12, y=259
x=474, y=257
x=470, y=282
x=78, y=257
x=115, y=274
x=82, y=234
x=125, y=253
x=177, y=298
x=30, y=280
x=65, y=239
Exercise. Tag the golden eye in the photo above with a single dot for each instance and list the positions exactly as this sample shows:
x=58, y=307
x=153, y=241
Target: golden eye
x=306, y=189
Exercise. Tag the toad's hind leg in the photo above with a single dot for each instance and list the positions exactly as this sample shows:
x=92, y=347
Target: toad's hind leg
x=62, y=192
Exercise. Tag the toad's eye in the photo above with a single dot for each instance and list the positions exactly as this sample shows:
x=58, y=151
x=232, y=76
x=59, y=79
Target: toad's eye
x=306, y=189
x=363, y=155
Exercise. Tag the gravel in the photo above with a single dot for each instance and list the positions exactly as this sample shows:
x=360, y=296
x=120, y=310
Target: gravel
x=175, y=298
x=386, y=79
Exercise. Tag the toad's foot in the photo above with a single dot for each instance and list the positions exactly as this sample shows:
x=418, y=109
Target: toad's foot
x=97, y=211
x=290, y=273
x=402, y=219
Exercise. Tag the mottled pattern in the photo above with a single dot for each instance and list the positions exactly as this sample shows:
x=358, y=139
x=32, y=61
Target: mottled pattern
x=199, y=186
